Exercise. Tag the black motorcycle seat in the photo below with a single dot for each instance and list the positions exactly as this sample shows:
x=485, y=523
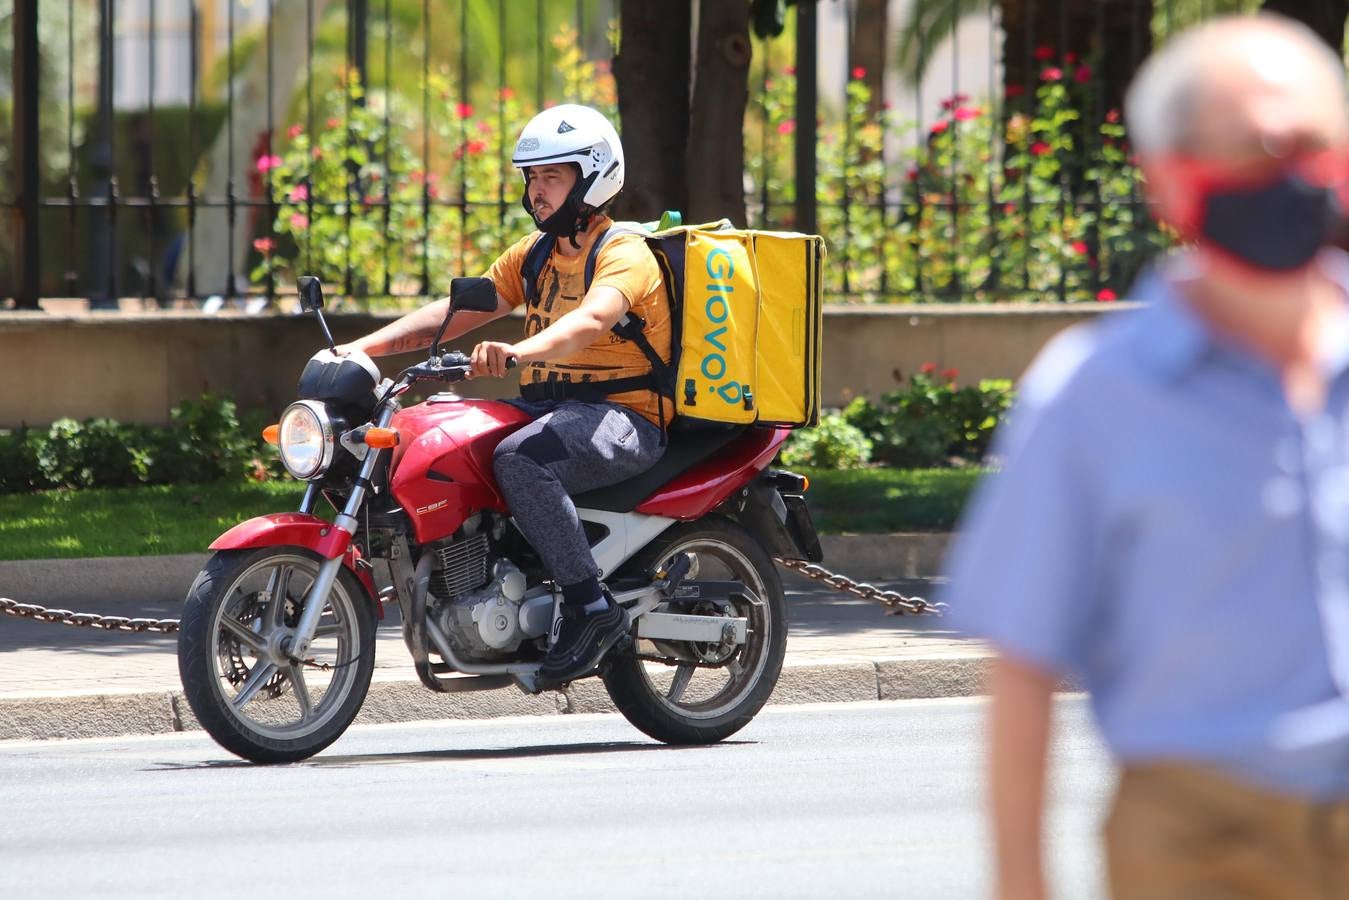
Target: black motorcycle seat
x=686, y=450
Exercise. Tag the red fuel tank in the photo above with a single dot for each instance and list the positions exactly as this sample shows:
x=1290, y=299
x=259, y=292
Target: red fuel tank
x=442, y=467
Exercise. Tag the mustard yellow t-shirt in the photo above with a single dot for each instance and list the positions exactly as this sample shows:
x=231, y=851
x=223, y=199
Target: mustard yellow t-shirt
x=625, y=264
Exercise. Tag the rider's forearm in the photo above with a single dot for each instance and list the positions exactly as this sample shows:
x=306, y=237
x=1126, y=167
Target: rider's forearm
x=569, y=335
x=1018, y=741
x=417, y=329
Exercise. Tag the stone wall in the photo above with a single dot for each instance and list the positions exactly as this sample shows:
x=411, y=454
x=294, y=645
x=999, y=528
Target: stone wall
x=134, y=367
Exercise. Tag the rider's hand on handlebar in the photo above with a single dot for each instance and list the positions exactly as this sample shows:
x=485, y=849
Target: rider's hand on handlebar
x=492, y=358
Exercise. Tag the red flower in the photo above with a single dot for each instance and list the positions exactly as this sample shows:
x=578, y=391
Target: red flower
x=912, y=174
x=928, y=368
x=263, y=245
x=1008, y=208
x=950, y=374
x=1070, y=58
x=476, y=147
x=294, y=131
x=790, y=70
x=1039, y=148
x=859, y=73
x=1112, y=116
x=463, y=110
x=1015, y=90
x=787, y=126
x=507, y=93
x=299, y=221
x=953, y=101
x=965, y=113
x=1079, y=247
x=1043, y=53
x=333, y=121
x=602, y=66
x=940, y=125
x=1053, y=73
x=1105, y=295
x=417, y=176
x=1082, y=74
x=299, y=193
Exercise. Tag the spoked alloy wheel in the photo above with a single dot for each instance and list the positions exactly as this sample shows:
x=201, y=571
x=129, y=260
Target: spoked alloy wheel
x=248, y=695
x=702, y=692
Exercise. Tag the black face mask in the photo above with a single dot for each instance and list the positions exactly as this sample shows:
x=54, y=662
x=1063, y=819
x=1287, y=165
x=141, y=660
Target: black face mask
x=1277, y=227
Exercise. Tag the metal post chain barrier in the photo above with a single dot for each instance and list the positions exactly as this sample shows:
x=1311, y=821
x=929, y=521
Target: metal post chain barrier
x=896, y=604
x=85, y=620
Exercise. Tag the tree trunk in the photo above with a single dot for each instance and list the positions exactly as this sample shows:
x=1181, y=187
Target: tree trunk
x=870, y=36
x=212, y=233
x=716, y=149
x=1112, y=36
x=652, y=70
x=1325, y=17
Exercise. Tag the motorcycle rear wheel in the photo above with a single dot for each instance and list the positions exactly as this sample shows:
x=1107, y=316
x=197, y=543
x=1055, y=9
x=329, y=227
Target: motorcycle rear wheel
x=713, y=692
x=241, y=604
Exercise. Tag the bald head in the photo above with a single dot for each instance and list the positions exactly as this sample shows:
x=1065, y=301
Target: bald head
x=1237, y=86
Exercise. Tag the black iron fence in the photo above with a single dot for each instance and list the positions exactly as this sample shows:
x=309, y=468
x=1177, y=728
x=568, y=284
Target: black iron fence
x=179, y=151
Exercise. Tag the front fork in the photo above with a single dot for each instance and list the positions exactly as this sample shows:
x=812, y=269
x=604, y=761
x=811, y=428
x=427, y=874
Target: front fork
x=346, y=520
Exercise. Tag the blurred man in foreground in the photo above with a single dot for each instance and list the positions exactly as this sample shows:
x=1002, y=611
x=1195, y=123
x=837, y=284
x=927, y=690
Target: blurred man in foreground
x=1171, y=526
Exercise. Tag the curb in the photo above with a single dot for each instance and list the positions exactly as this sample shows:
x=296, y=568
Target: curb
x=75, y=583
x=69, y=716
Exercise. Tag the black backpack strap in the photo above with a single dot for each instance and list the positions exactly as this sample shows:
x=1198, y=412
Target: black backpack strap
x=589, y=391
x=535, y=260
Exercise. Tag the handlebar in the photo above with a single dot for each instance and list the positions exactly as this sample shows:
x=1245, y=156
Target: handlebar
x=452, y=367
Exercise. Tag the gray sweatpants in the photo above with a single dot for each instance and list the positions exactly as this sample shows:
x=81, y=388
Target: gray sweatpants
x=570, y=447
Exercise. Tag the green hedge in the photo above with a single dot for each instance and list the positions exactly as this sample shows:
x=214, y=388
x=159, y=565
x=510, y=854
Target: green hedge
x=207, y=441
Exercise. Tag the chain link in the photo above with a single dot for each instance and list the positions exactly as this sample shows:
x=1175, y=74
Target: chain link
x=85, y=620
x=896, y=604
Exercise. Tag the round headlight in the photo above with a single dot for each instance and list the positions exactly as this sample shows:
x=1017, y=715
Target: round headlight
x=306, y=439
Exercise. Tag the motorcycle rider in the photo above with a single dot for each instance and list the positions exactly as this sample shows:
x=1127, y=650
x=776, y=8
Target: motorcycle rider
x=597, y=418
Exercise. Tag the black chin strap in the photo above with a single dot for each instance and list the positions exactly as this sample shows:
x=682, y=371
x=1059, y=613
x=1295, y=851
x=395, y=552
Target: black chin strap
x=571, y=219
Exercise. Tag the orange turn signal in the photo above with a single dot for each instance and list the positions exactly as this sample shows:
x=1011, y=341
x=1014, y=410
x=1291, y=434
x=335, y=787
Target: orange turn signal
x=805, y=484
x=381, y=438
x=272, y=434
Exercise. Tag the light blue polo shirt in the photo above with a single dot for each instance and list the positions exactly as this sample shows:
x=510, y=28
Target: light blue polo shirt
x=1166, y=529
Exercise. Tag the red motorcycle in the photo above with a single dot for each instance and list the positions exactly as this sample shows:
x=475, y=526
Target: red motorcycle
x=277, y=639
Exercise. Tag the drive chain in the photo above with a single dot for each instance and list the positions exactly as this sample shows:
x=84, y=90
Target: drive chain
x=85, y=620
x=896, y=604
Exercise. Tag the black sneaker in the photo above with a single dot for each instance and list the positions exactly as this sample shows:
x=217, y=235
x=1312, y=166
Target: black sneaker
x=583, y=639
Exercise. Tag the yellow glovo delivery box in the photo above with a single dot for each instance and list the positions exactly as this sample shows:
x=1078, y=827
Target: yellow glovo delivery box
x=748, y=318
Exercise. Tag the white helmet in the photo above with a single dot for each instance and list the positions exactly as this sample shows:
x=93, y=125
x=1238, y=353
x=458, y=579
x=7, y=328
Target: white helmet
x=575, y=134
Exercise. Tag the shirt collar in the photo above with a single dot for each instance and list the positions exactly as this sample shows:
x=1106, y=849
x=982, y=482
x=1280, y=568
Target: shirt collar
x=1174, y=338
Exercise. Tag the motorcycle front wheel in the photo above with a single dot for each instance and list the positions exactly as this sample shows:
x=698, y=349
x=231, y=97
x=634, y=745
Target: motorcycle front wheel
x=245, y=692
x=696, y=693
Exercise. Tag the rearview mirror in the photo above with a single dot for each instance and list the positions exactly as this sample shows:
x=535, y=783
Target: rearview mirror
x=473, y=295
x=311, y=293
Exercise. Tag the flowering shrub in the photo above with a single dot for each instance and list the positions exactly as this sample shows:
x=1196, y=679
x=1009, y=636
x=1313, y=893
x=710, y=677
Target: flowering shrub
x=929, y=421
x=833, y=444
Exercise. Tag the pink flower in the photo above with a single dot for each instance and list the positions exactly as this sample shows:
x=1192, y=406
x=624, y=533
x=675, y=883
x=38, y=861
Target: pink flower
x=268, y=162
x=263, y=245
x=1039, y=148
x=859, y=73
x=299, y=193
x=928, y=368
x=790, y=70
x=1079, y=247
x=953, y=101
x=463, y=110
x=950, y=374
x=318, y=153
x=417, y=176
x=333, y=122
x=1043, y=53
x=787, y=127
x=299, y=221
x=965, y=113
x=1105, y=295
x=940, y=125
x=294, y=131
x=1015, y=90
x=1053, y=73
x=1082, y=74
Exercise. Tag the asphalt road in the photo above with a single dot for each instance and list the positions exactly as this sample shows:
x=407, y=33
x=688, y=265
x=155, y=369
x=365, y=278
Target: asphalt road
x=835, y=801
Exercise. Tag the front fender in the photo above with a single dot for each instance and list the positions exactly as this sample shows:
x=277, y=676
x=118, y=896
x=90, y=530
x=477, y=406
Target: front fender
x=299, y=530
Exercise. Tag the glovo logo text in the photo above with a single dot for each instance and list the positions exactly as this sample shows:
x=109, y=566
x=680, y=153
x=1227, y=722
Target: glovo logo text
x=720, y=271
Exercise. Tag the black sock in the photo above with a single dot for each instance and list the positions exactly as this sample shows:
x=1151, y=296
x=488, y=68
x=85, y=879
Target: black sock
x=582, y=593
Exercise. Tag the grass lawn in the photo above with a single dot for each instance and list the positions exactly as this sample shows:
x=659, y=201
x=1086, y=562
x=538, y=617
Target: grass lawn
x=149, y=521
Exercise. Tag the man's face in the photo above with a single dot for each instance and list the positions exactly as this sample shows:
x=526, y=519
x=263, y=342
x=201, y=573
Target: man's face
x=1262, y=110
x=547, y=188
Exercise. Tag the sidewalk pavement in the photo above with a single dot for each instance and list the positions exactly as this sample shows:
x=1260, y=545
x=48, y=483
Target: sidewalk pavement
x=62, y=682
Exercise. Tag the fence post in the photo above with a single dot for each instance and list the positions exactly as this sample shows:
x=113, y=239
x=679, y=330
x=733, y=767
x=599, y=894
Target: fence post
x=806, y=105
x=25, y=137
x=358, y=19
